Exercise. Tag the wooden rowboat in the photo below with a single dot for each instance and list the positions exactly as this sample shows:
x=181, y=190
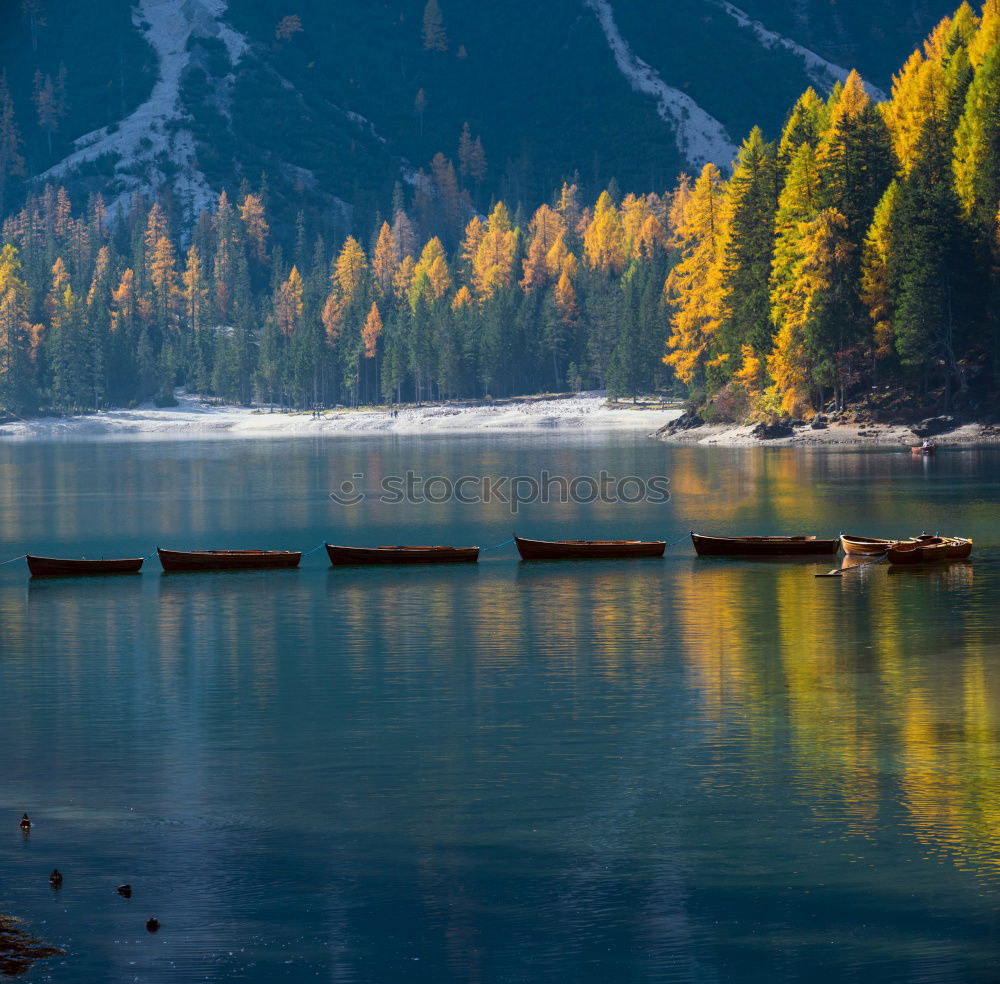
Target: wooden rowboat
x=866, y=546
x=761, y=546
x=923, y=449
x=227, y=560
x=587, y=549
x=929, y=550
x=401, y=555
x=959, y=547
x=67, y=567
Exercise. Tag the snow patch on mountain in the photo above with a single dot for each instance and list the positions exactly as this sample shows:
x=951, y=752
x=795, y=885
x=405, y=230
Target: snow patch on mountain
x=156, y=132
x=821, y=73
x=700, y=136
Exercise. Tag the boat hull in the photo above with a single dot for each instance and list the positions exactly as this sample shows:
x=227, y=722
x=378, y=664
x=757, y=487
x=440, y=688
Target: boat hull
x=922, y=450
x=931, y=550
x=67, y=567
x=401, y=555
x=227, y=560
x=762, y=546
x=588, y=549
x=865, y=546
x=959, y=547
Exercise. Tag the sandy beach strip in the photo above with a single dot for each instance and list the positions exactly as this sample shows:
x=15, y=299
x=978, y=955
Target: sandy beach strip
x=195, y=418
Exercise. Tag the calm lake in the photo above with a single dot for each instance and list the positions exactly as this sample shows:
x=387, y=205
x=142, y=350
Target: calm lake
x=629, y=771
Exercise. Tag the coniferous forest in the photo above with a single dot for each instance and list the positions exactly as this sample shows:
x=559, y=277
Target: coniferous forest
x=859, y=249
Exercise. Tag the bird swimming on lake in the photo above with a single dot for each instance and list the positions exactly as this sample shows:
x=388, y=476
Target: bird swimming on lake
x=56, y=878
x=125, y=891
x=25, y=822
x=152, y=925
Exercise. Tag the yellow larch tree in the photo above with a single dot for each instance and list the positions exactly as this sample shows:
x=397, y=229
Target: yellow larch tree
x=403, y=278
x=347, y=282
x=474, y=232
x=568, y=206
x=635, y=211
x=752, y=373
x=349, y=271
x=555, y=257
x=875, y=272
x=536, y=270
x=918, y=109
x=803, y=306
x=547, y=227
x=652, y=235
x=462, y=299
x=604, y=237
x=332, y=317
x=371, y=331
x=565, y=298
x=255, y=223
x=60, y=281
x=163, y=279
x=194, y=290
x=102, y=271
x=288, y=304
x=64, y=212
x=695, y=286
x=385, y=261
x=493, y=267
x=988, y=35
x=156, y=229
x=123, y=310
x=434, y=265
x=677, y=205
x=14, y=330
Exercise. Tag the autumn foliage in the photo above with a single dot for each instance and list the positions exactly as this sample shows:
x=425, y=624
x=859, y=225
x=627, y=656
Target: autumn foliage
x=858, y=247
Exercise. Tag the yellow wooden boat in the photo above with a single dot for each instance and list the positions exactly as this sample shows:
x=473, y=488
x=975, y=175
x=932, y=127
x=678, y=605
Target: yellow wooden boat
x=866, y=546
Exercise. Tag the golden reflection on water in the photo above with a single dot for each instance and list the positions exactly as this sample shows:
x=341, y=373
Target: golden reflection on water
x=835, y=686
x=863, y=704
x=858, y=692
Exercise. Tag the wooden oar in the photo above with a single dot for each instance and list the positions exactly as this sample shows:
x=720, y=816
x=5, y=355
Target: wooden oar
x=838, y=571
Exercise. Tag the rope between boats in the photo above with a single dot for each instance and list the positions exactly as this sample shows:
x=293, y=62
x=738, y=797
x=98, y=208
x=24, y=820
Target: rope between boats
x=495, y=545
x=314, y=549
x=12, y=559
x=680, y=539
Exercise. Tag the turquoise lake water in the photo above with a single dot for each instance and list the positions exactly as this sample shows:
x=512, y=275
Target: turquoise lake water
x=662, y=770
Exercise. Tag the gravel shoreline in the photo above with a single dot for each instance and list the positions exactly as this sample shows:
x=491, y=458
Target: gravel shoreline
x=840, y=435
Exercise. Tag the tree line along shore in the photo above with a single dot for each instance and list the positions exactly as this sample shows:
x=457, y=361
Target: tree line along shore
x=854, y=258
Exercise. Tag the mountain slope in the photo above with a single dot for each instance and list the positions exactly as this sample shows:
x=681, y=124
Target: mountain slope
x=197, y=94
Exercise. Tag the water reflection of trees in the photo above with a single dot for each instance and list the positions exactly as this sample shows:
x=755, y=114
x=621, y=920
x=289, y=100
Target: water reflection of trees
x=864, y=685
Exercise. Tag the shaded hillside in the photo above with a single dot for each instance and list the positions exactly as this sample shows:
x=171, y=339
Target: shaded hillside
x=346, y=99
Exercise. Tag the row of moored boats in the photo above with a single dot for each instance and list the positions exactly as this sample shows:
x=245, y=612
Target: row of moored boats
x=923, y=549
x=916, y=550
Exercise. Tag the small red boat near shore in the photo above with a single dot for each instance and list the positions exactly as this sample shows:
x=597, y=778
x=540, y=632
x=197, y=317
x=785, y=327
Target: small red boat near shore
x=401, y=555
x=227, y=560
x=923, y=449
x=69, y=567
x=761, y=546
x=587, y=549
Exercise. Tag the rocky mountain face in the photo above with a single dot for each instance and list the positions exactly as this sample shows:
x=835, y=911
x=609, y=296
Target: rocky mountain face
x=330, y=104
